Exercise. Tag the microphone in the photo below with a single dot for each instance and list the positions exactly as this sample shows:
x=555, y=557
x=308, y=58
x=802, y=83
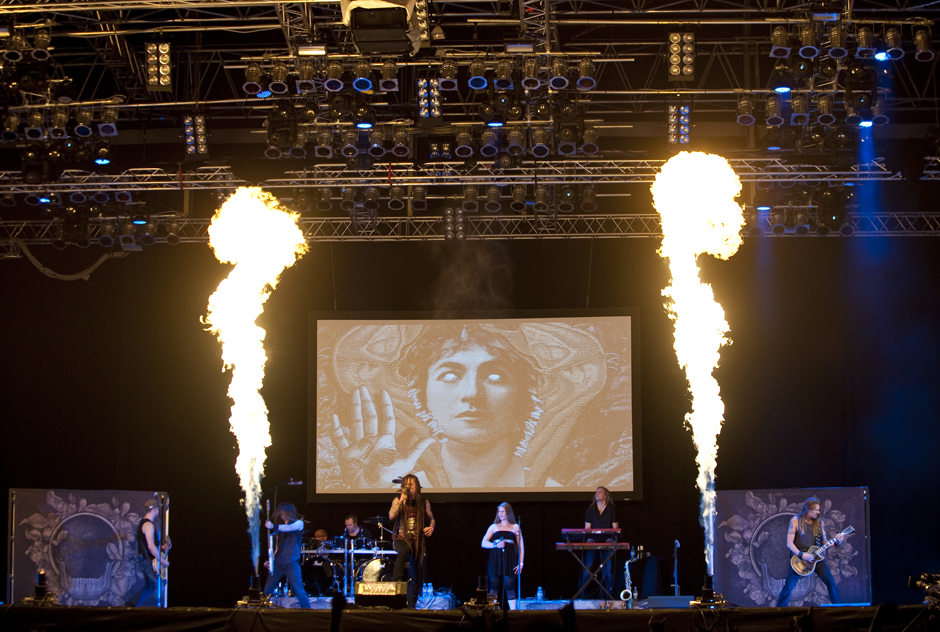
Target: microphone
x=293, y=482
x=397, y=481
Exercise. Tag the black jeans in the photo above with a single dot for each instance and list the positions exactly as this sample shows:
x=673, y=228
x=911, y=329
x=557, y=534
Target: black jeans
x=406, y=556
x=822, y=571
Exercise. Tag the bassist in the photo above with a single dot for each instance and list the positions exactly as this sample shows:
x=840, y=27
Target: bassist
x=807, y=530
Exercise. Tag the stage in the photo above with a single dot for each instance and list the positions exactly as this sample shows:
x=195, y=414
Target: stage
x=245, y=619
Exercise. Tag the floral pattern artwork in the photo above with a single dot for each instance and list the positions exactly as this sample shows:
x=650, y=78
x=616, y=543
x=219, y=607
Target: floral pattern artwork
x=751, y=554
x=85, y=542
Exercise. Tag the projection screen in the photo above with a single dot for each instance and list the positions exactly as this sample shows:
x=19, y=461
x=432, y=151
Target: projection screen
x=473, y=406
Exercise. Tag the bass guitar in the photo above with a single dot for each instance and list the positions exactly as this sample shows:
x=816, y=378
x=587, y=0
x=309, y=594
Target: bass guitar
x=158, y=568
x=803, y=568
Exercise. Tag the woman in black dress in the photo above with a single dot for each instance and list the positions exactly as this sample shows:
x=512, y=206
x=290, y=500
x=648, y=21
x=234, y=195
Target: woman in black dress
x=507, y=553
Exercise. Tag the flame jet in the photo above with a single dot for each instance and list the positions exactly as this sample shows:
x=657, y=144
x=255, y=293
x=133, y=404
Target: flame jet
x=253, y=232
x=694, y=195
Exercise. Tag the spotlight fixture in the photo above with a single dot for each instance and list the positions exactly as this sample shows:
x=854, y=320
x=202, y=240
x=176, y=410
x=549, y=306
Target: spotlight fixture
x=159, y=78
x=837, y=47
x=11, y=125
x=64, y=93
x=279, y=79
x=773, y=111
x=678, y=125
x=396, y=196
x=879, y=110
x=108, y=125
x=334, y=77
x=542, y=198
x=559, y=78
x=464, y=144
x=681, y=56
x=799, y=110
x=518, y=203
x=865, y=45
x=419, y=201
x=781, y=81
x=515, y=142
x=299, y=148
x=252, y=85
x=429, y=98
x=324, y=144
x=489, y=143
x=567, y=140
x=893, y=48
x=106, y=235
x=377, y=148
x=364, y=117
x=147, y=233
x=311, y=50
x=172, y=233
x=824, y=107
x=503, y=79
x=540, y=145
x=325, y=199
x=470, y=203
x=389, y=80
x=41, y=41
x=350, y=142
x=371, y=201
x=746, y=109
x=454, y=223
x=477, y=76
x=448, y=78
x=195, y=135
x=530, y=75
x=589, y=146
x=348, y=202
x=363, y=80
x=492, y=204
x=588, y=199
x=808, y=46
x=923, y=46
x=586, y=80
x=421, y=12
x=128, y=237
x=401, y=148
x=779, y=43
x=306, y=72
x=565, y=199
x=102, y=155
x=34, y=129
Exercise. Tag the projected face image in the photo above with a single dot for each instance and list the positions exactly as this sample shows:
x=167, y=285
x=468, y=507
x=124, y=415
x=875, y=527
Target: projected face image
x=471, y=395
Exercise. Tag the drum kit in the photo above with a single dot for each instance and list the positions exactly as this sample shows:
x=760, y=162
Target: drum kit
x=336, y=564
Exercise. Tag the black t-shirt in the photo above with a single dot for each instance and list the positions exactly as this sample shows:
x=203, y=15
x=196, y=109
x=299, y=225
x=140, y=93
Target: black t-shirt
x=604, y=520
x=142, y=549
x=363, y=533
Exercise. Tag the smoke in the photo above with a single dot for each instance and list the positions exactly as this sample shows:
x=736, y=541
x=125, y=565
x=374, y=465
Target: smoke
x=472, y=276
x=253, y=232
x=694, y=195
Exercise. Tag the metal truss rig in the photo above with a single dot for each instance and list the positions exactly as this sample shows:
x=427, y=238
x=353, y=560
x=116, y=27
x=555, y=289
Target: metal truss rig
x=756, y=170
x=479, y=228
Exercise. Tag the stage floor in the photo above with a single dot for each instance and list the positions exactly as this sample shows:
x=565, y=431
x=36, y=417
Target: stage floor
x=249, y=619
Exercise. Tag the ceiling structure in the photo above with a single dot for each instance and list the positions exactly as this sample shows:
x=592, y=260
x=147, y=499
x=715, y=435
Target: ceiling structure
x=583, y=90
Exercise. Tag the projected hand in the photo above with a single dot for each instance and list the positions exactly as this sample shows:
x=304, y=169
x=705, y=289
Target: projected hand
x=368, y=454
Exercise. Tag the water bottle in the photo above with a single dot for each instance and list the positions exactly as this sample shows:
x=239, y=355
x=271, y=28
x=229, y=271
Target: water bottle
x=424, y=589
x=540, y=594
x=430, y=589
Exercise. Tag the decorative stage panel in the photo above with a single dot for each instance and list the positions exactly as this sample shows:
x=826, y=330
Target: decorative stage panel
x=85, y=541
x=751, y=555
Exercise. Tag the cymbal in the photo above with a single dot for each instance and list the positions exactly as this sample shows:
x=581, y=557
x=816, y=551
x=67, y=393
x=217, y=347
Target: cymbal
x=376, y=520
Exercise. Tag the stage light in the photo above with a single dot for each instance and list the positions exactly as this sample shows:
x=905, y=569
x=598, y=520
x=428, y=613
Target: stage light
x=780, y=81
x=808, y=47
x=348, y=202
x=83, y=127
x=518, y=203
x=498, y=120
x=503, y=78
x=530, y=75
x=505, y=161
x=389, y=80
x=464, y=146
x=159, y=75
x=559, y=78
x=16, y=43
x=893, y=47
x=396, y=196
x=124, y=197
x=106, y=235
x=325, y=199
x=589, y=144
x=350, y=140
x=419, y=201
x=445, y=151
x=377, y=145
x=565, y=198
x=488, y=143
x=542, y=198
x=324, y=144
x=371, y=201
x=11, y=125
x=923, y=46
x=799, y=109
x=102, y=153
x=279, y=78
x=8, y=200
x=363, y=80
x=824, y=106
x=540, y=145
x=421, y=12
x=434, y=151
x=477, y=76
x=195, y=135
x=567, y=140
x=746, y=109
x=306, y=72
x=311, y=50
x=779, y=42
x=865, y=47
x=681, y=57
x=448, y=78
x=678, y=124
x=334, y=77
x=108, y=125
x=773, y=109
x=586, y=80
x=837, y=48
x=492, y=204
x=34, y=129
x=879, y=110
x=252, y=83
x=60, y=117
x=437, y=33
x=401, y=148
x=515, y=142
x=429, y=98
x=470, y=203
x=365, y=117
x=299, y=148
x=147, y=233
x=128, y=237
x=64, y=92
x=588, y=198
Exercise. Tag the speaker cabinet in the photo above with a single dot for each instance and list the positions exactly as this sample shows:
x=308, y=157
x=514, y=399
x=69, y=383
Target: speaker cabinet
x=388, y=594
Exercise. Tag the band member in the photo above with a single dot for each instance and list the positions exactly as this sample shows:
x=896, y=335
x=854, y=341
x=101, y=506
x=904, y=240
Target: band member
x=806, y=530
x=600, y=514
x=507, y=552
x=413, y=523
x=320, y=535
x=147, y=552
x=288, y=535
x=354, y=531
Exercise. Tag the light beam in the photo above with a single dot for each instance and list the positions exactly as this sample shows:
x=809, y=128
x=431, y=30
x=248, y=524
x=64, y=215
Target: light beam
x=694, y=195
x=252, y=231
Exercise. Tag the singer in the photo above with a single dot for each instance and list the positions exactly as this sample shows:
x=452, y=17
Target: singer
x=288, y=535
x=806, y=530
x=411, y=528
x=504, y=540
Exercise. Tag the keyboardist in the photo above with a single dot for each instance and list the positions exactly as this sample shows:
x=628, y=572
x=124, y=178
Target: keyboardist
x=600, y=514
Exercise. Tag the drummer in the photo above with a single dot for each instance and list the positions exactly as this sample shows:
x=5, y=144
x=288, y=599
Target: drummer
x=361, y=535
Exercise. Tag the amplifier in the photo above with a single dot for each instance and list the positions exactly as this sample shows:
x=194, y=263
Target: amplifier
x=388, y=594
x=668, y=601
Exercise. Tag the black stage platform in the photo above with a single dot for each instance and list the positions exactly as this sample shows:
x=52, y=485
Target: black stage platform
x=246, y=619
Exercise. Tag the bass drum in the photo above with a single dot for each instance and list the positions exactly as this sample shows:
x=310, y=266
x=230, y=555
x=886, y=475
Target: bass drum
x=321, y=575
x=378, y=569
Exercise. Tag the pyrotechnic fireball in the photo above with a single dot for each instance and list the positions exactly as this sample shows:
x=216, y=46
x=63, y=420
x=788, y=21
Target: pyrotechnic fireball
x=694, y=195
x=253, y=232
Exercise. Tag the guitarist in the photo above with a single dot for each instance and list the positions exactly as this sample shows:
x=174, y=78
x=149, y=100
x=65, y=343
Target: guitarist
x=806, y=530
x=147, y=552
x=288, y=533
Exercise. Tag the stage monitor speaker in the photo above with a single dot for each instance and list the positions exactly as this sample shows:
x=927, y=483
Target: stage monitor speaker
x=668, y=601
x=388, y=594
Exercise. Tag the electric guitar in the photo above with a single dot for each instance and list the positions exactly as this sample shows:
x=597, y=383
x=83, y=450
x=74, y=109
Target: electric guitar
x=804, y=568
x=267, y=506
x=158, y=568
